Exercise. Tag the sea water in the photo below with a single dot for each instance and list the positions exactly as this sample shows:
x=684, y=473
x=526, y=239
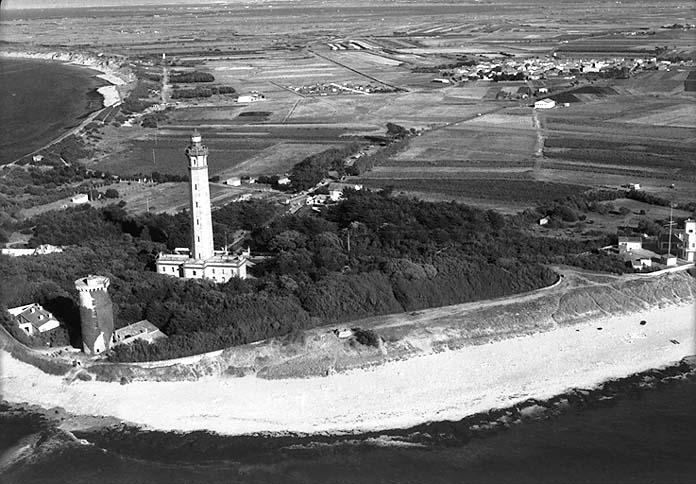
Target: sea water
x=41, y=100
x=639, y=429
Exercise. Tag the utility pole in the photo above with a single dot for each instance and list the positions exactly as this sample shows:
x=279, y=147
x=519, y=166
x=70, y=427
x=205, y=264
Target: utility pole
x=154, y=160
x=669, y=244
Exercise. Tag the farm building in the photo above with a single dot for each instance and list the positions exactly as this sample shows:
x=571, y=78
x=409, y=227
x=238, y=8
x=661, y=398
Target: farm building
x=233, y=181
x=630, y=244
x=544, y=221
x=251, y=98
x=545, y=104
x=283, y=180
x=33, y=318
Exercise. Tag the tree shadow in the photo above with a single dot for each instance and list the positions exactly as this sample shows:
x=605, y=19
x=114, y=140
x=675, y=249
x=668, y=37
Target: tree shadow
x=65, y=310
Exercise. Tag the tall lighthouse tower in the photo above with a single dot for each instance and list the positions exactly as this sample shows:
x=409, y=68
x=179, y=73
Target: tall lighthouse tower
x=201, y=221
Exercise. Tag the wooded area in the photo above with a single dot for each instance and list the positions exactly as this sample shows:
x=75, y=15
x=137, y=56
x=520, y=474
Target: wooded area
x=371, y=254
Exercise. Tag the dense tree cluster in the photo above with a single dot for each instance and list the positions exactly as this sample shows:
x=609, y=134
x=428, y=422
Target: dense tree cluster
x=201, y=92
x=179, y=77
x=371, y=254
x=315, y=168
x=138, y=99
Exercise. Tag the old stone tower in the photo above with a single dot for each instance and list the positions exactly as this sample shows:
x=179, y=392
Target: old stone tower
x=202, y=225
x=96, y=314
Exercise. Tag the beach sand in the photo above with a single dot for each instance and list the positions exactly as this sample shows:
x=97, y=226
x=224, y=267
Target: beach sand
x=443, y=386
x=110, y=95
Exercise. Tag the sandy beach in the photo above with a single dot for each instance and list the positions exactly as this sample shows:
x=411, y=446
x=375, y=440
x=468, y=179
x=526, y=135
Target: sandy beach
x=442, y=386
x=110, y=95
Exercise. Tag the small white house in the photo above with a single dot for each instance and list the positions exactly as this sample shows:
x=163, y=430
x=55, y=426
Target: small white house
x=630, y=244
x=80, y=198
x=545, y=103
x=233, y=181
x=669, y=260
x=283, y=180
x=37, y=158
x=543, y=90
x=544, y=221
x=641, y=263
x=634, y=186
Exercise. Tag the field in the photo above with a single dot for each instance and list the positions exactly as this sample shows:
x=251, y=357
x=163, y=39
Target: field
x=504, y=190
x=332, y=76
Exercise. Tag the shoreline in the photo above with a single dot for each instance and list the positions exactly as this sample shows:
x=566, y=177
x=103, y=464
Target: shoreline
x=105, y=70
x=110, y=94
x=459, y=383
x=113, y=435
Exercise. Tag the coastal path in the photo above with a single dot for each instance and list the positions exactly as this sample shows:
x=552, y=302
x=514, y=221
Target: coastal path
x=60, y=138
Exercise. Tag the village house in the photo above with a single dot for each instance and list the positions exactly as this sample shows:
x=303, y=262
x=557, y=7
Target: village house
x=33, y=318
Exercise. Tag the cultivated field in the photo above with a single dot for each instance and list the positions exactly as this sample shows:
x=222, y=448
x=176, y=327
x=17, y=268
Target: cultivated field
x=332, y=76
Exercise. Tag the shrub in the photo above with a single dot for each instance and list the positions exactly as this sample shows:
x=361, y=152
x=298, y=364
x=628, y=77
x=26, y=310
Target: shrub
x=367, y=337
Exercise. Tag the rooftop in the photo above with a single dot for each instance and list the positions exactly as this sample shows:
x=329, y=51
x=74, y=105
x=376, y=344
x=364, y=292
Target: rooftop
x=92, y=282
